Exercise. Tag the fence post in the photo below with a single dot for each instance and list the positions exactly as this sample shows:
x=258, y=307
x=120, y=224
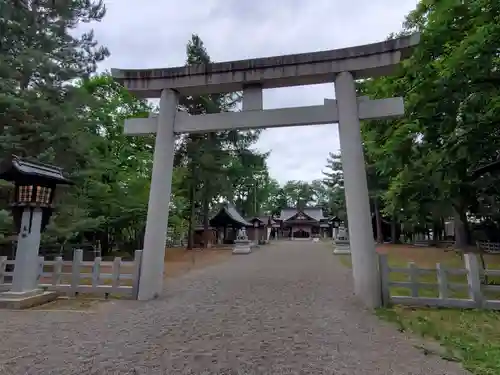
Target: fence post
x=384, y=279
x=41, y=260
x=414, y=279
x=442, y=279
x=115, y=281
x=96, y=272
x=57, y=271
x=75, y=271
x=3, y=264
x=136, y=273
x=474, y=279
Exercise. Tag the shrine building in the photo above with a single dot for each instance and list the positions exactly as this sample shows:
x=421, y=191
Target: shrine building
x=309, y=222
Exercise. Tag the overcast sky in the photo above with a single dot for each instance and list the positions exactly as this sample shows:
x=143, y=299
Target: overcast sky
x=154, y=33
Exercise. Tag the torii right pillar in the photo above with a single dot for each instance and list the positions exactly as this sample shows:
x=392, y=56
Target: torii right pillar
x=365, y=270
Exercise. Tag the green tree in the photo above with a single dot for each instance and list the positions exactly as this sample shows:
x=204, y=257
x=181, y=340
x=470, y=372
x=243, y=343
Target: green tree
x=456, y=97
x=334, y=182
x=117, y=177
x=424, y=160
x=42, y=115
x=221, y=164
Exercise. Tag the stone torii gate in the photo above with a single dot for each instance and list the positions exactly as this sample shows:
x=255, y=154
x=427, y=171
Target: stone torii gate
x=341, y=66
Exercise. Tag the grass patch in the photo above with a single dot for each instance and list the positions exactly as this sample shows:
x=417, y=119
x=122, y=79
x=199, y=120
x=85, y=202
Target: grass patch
x=72, y=304
x=345, y=260
x=469, y=336
x=427, y=257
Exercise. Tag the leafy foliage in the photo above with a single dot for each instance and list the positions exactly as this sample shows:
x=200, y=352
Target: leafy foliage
x=424, y=161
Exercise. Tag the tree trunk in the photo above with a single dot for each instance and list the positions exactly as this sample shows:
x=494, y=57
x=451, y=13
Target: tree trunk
x=205, y=219
x=443, y=228
x=192, y=191
x=435, y=231
x=190, y=243
x=461, y=228
x=394, y=240
x=378, y=221
x=140, y=238
x=211, y=143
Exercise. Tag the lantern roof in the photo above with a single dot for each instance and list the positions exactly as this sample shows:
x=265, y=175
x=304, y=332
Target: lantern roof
x=16, y=169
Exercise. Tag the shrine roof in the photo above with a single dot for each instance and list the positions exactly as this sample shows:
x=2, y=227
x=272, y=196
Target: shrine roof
x=228, y=215
x=315, y=213
x=262, y=219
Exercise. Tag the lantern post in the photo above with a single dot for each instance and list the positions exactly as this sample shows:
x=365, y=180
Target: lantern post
x=32, y=205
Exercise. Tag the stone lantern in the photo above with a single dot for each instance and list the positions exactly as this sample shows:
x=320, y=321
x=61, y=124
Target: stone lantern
x=32, y=206
x=335, y=225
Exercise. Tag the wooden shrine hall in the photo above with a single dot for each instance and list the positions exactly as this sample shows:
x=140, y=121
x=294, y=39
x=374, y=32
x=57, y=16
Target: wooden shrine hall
x=225, y=224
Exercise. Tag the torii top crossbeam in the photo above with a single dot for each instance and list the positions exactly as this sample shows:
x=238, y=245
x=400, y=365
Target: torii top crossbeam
x=370, y=60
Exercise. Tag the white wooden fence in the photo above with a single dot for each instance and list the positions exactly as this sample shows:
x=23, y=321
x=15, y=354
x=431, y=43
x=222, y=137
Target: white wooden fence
x=469, y=293
x=488, y=247
x=74, y=277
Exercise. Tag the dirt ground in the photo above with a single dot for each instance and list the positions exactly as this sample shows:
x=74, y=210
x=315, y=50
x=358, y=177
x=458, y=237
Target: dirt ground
x=179, y=261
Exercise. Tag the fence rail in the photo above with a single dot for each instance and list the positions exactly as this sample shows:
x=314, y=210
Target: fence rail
x=488, y=247
x=467, y=291
x=430, y=243
x=78, y=276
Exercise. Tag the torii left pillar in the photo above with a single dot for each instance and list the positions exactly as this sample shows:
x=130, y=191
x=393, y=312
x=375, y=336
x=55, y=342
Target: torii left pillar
x=153, y=258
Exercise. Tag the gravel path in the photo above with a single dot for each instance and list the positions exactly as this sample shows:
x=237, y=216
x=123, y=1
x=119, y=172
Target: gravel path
x=284, y=309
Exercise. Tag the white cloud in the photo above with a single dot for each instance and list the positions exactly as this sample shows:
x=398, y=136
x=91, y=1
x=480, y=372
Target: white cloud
x=154, y=33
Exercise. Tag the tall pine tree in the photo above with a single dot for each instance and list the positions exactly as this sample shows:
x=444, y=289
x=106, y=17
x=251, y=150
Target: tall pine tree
x=42, y=114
